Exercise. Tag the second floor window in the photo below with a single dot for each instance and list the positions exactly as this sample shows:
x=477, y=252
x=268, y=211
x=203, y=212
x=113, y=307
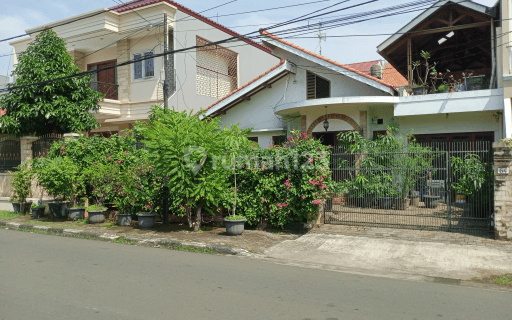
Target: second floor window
x=217, y=70
x=144, y=68
x=317, y=87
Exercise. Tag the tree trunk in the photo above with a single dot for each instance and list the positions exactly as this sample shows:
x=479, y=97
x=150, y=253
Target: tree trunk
x=189, y=217
x=197, y=224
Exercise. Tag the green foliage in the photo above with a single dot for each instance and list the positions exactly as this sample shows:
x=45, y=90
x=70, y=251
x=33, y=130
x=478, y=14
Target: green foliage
x=21, y=182
x=102, y=178
x=183, y=150
x=60, y=106
x=471, y=174
x=443, y=87
x=96, y=207
x=285, y=183
x=235, y=217
x=386, y=166
x=61, y=178
x=37, y=206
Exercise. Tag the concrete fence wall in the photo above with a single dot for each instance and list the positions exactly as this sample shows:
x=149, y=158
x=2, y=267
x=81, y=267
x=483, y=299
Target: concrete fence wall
x=502, y=191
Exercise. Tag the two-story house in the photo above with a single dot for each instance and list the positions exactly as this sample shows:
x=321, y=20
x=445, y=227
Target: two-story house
x=106, y=37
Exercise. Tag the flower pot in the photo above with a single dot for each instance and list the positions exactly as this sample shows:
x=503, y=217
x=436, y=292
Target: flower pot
x=76, y=213
x=146, y=220
x=415, y=201
x=418, y=91
x=97, y=216
x=401, y=204
x=431, y=201
x=475, y=83
x=58, y=210
x=124, y=220
x=21, y=207
x=235, y=227
x=443, y=91
x=385, y=202
x=37, y=213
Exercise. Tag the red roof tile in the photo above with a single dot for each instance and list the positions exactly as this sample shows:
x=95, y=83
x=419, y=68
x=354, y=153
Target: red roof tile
x=391, y=75
x=270, y=35
x=138, y=4
x=248, y=83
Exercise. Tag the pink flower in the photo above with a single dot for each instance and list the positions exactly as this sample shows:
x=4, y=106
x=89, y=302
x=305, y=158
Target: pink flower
x=148, y=206
x=470, y=74
x=451, y=76
x=109, y=158
x=119, y=161
x=158, y=178
x=126, y=152
x=310, y=160
x=63, y=148
x=440, y=74
x=303, y=197
x=316, y=201
x=262, y=200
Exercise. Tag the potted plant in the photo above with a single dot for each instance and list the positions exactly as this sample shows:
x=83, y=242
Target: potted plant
x=78, y=198
x=471, y=176
x=147, y=195
x=474, y=82
x=21, y=183
x=37, y=210
x=57, y=176
x=443, y=88
x=102, y=178
x=77, y=210
x=420, y=86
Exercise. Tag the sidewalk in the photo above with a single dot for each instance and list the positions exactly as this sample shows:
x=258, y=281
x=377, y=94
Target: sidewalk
x=426, y=253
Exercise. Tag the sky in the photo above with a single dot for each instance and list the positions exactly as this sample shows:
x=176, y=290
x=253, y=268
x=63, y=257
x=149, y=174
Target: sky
x=17, y=16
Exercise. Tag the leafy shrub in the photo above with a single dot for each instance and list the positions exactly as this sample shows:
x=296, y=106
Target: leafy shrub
x=37, y=206
x=21, y=182
x=96, y=207
x=60, y=177
x=285, y=183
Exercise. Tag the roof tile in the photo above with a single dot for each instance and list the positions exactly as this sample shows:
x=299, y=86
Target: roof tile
x=391, y=75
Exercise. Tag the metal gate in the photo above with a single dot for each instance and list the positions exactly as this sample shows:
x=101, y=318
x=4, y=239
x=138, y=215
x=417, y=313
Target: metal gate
x=42, y=146
x=10, y=153
x=439, y=186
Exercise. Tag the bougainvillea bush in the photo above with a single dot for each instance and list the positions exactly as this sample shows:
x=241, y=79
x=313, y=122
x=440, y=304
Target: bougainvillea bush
x=285, y=183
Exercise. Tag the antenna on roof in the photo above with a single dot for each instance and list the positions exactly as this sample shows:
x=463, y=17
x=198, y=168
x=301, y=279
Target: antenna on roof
x=321, y=37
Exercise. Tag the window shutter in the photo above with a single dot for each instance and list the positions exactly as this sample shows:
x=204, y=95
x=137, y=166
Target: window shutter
x=311, y=86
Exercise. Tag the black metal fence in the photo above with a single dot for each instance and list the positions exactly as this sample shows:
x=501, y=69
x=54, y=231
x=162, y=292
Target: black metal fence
x=437, y=186
x=42, y=145
x=10, y=153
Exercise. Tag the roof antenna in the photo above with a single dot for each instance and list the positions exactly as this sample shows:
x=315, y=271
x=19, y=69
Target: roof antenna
x=321, y=37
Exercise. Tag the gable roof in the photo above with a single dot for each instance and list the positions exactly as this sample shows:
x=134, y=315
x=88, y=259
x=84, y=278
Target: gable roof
x=352, y=73
x=390, y=75
x=135, y=4
x=252, y=87
x=427, y=13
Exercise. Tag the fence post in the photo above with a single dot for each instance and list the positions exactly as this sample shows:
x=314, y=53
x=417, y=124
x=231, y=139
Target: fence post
x=502, y=191
x=70, y=136
x=26, y=147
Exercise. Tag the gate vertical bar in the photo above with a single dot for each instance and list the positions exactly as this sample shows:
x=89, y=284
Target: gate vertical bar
x=448, y=189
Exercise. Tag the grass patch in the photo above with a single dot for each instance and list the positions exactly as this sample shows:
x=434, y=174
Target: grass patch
x=125, y=241
x=7, y=215
x=83, y=221
x=507, y=279
x=477, y=278
x=191, y=249
x=109, y=225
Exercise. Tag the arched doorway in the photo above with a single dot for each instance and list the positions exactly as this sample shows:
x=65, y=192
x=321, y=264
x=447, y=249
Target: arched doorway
x=330, y=137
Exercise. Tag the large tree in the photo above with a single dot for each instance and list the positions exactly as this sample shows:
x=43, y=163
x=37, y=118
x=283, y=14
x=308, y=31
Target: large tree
x=55, y=107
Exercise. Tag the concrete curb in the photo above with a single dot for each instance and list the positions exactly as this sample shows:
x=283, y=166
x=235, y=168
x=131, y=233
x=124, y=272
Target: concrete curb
x=141, y=242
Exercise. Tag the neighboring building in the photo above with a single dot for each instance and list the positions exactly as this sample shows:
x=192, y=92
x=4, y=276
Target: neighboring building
x=306, y=89
x=504, y=53
x=128, y=31
x=4, y=80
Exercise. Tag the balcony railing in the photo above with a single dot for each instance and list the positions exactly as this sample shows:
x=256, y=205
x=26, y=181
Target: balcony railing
x=110, y=90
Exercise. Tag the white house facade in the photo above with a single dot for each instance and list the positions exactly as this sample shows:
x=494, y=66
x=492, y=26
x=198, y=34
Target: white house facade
x=107, y=37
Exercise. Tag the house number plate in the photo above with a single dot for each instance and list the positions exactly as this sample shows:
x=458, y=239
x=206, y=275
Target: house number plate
x=503, y=171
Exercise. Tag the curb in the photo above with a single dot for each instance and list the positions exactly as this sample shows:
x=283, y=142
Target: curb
x=141, y=242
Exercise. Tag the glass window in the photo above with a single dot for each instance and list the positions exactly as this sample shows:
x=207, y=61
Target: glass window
x=137, y=67
x=149, y=65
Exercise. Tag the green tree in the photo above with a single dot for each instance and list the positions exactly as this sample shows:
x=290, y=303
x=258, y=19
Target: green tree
x=56, y=107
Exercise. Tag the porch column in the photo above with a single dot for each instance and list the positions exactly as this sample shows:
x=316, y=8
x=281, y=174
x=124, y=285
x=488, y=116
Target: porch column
x=303, y=125
x=123, y=73
x=79, y=58
x=507, y=119
x=502, y=191
x=363, y=123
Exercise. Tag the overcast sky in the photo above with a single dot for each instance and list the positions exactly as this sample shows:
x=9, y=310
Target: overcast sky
x=17, y=16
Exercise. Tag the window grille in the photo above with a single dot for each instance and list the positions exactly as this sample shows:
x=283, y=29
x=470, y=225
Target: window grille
x=217, y=70
x=143, y=68
x=317, y=87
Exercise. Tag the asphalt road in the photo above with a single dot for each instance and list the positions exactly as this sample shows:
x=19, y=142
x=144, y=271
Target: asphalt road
x=52, y=277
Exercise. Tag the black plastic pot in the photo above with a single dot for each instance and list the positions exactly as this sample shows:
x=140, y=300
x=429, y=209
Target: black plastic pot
x=124, y=220
x=401, y=203
x=475, y=83
x=58, y=210
x=431, y=201
x=443, y=91
x=97, y=216
x=21, y=207
x=76, y=213
x=37, y=213
x=418, y=91
x=146, y=220
x=385, y=202
x=235, y=227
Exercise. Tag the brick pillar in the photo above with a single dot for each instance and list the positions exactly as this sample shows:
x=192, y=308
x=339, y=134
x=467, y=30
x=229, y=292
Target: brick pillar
x=502, y=191
x=123, y=73
x=26, y=147
x=363, y=122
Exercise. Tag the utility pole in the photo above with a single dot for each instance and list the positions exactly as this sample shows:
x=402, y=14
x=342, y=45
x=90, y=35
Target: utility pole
x=167, y=79
x=167, y=82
